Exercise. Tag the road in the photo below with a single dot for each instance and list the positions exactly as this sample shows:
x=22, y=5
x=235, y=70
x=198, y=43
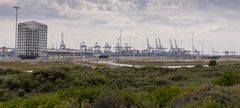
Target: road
x=112, y=64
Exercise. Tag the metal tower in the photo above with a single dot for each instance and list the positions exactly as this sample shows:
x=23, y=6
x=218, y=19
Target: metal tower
x=62, y=45
x=107, y=48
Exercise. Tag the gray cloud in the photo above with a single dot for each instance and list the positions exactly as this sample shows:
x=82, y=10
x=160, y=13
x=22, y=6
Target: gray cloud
x=175, y=13
x=61, y=8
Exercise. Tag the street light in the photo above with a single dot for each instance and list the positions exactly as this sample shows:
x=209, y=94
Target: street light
x=133, y=48
x=201, y=42
x=16, y=32
x=120, y=42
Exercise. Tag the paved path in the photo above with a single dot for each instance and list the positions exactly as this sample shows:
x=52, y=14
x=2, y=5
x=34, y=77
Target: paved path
x=112, y=64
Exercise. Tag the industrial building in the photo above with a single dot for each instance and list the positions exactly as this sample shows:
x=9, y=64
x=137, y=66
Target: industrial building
x=6, y=52
x=31, y=39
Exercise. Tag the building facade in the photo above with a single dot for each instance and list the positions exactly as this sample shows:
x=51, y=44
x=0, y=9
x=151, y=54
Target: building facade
x=32, y=40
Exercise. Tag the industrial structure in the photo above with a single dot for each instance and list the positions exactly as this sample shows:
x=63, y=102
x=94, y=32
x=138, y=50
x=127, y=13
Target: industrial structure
x=31, y=43
x=85, y=51
x=32, y=40
x=62, y=45
x=6, y=52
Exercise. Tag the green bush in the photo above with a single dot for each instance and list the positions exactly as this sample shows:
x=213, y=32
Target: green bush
x=11, y=84
x=160, y=97
x=207, y=103
x=228, y=79
x=4, y=94
x=212, y=63
x=21, y=92
x=108, y=101
x=76, y=86
x=178, y=78
x=198, y=66
x=29, y=85
x=49, y=75
x=9, y=71
x=213, y=104
x=47, y=87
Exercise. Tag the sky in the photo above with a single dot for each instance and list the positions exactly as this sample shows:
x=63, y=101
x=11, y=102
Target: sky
x=215, y=22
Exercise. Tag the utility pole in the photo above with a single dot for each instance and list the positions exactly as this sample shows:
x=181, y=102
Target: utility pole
x=171, y=45
x=120, y=42
x=159, y=43
x=201, y=42
x=5, y=43
x=182, y=52
x=192, y=44
x=120, y=38
x=133, y=46
x=16, y=32
x=157, y=46
x=176, y=46
x=52, y=46
x=202, y=49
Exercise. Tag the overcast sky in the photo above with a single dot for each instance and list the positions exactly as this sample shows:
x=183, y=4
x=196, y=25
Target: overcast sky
x=216, y=22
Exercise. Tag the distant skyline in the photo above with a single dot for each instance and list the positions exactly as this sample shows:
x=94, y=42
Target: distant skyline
x=216, y=22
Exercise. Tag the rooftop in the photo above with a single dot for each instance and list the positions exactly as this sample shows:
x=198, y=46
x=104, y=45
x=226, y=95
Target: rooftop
x=32, y=24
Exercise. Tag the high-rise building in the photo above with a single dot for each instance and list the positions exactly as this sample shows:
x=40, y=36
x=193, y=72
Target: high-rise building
x=32, y=40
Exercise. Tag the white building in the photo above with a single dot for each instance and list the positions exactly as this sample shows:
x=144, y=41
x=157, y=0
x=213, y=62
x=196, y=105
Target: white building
x=32, y=39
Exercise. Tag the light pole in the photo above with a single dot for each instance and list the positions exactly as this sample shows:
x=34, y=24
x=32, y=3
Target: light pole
x=16, y=32
x=202, y=49
x=193, y=49
x=182, y=53
x=202, y=46
x=120, y=42
x=133, y=47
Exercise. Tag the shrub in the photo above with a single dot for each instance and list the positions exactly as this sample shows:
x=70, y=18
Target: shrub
x=2, y=72
x=49, y=75
x=9, y=71
x=158, y=81
x=160, y=97
x=11, y=84
x=205, y=97
x=178, y=78
x=228, y=79
x=67, y=69
x=212, y=63
x=210, y=103
x=47, y=87
x=87, y=94
x=198, y=66
x=96, y=80
x=108, y=101
x=207, y=103
x=28, y=85
x=4, y=94
x=21, y=92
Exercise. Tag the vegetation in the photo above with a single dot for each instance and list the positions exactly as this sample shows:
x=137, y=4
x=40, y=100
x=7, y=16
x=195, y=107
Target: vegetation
x=212, y=63
x=177, y=63
x=71, y=85
x=228, y=79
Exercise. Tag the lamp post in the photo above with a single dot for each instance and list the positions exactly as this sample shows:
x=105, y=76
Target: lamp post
x=201, y=42
x=120, y=42
x=16, y=32
x=133, y=47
